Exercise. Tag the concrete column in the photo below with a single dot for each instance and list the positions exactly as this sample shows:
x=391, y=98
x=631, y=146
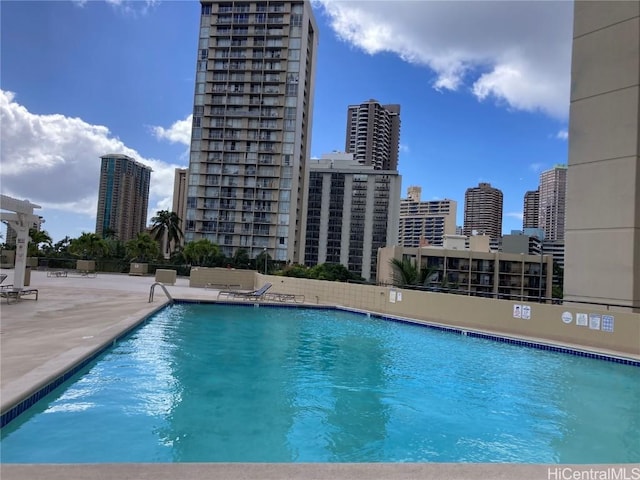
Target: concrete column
x=602, y=232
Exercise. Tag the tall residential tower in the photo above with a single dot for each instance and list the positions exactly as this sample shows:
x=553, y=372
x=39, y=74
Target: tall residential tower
x=483, y=211
x=251, y=132
x=373, y=134
x=531, y=210
x=123, y=197
x=552, y=195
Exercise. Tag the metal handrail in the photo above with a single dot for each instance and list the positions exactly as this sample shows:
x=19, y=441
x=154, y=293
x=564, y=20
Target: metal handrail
x=153, y=286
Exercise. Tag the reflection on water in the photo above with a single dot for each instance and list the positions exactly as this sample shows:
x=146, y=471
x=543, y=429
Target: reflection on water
x=208, y=383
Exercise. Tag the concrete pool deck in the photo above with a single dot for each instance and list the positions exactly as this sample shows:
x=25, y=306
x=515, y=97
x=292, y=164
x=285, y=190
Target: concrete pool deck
x=74, y=316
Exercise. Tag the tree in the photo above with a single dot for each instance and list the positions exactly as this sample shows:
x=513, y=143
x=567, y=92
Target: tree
x=89, y=246
x=62, y=247
x=38, y=237
x=166, y=229
x=241, y=258
x=201, y=252
x=142, y=248
x=406, y=273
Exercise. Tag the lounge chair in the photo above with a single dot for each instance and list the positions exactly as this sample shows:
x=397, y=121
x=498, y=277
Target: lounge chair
x=15, y=294
x=254, y=295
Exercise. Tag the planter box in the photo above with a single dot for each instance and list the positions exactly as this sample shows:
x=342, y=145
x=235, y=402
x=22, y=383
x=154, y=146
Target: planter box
x=86, y=266
x=168, y=277
x=138, y=269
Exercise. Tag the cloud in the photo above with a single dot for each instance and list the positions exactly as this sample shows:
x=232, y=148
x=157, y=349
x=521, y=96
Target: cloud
x=562, y=135
x=179, y=132
x=495, y=50
x=536, y=167
x=516, y=215
x=404, y=148
x=54, y=160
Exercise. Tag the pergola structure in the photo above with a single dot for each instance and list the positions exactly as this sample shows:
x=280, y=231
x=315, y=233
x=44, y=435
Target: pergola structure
x=20, y=217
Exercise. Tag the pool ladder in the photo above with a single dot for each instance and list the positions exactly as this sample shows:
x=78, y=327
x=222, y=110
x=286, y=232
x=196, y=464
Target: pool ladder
x=153, y=286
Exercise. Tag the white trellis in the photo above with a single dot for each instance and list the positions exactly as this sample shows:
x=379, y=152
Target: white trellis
x=20, y=217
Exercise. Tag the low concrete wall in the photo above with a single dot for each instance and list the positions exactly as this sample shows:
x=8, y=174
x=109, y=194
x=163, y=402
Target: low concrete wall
x=222, y=278
x=557, y=323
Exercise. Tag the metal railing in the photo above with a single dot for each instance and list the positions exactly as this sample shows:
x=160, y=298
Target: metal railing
x=153, y=286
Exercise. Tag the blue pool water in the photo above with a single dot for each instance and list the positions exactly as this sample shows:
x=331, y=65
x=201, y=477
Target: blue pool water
x=216, y=383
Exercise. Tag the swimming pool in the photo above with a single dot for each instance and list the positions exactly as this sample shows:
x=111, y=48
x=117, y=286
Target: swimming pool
x=214, y=383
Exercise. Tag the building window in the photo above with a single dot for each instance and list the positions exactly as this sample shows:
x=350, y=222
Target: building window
x=206, y=10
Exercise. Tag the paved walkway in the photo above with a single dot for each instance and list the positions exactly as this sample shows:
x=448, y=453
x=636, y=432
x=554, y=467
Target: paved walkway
x=73, y=316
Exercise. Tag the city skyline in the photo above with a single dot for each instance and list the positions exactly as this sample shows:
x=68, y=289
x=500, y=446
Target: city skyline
x=474, y=116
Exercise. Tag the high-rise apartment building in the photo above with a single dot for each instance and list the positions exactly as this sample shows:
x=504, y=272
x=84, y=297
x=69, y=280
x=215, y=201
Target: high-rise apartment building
x=425, y=223
x=602, y=258
x=179, y=204
x=531, y=210
x=373, y=134
x=123, y=197
x=352, y=211
x=251, y=130
x=483, y=211
x=553, y=192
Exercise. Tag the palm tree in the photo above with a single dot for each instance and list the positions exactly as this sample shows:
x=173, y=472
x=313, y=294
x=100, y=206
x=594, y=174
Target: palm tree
x=166, y=229
x=405, y=272
x=143, y=247
x=38, y=237
x=88, y=246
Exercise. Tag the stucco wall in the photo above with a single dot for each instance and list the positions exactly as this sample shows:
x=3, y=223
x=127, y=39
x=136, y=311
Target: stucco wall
x=222, y=278
x=545, y=322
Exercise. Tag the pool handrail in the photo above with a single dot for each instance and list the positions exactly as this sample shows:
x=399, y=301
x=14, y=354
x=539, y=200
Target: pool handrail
x=153, y=286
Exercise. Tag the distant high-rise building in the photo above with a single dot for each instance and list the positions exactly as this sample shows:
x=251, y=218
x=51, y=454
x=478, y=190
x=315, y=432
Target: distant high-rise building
x=123, y=197
x=251, y=131
x=373, y=134
x=553, y=193
x=179, y=205
x=351, y=212
x=425, y=223
x=531, y=210
x=483, y=211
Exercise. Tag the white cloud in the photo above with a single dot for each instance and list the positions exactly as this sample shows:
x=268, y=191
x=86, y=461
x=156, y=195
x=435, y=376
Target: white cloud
x=536, y=167
x=516, y=215
x=54, y=160
x=497, y=50
x=179, y=132
x=133, y=7
x=562, y=135
x=404, y=148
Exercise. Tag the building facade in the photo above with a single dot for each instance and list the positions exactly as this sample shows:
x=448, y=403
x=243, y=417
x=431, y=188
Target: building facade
x=511, y=276
x=123, y=197
x=179, y=204
x=552, y=198
x=483, y=211
x=425, y=223
x=351, y=212
x=373, y=134
x=531, y=210
x=602, y=235
x=251, y=134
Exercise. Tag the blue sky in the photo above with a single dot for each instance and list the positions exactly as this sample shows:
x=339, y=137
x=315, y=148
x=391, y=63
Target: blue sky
x=483, y=87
